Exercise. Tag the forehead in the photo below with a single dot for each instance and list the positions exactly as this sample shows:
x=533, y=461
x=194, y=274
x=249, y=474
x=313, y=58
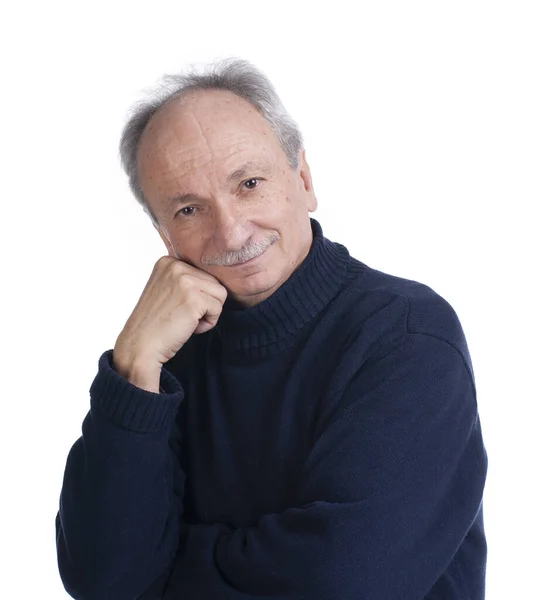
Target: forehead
x=204, y=128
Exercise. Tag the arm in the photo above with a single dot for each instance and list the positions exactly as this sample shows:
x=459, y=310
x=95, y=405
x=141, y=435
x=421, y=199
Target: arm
x=392, y=485
x=118, y=524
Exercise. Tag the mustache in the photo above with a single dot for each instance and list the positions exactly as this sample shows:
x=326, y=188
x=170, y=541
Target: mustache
x=243, y=255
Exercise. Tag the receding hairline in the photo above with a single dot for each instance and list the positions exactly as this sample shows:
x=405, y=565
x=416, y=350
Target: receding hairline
x=192, y=95
x=175, y=102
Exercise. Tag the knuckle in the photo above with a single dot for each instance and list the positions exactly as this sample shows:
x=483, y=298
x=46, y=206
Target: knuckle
x=185, y=282
x=164, y=260
x=162, y=264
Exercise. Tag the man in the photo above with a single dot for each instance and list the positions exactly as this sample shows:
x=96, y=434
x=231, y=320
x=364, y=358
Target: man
x=277, y=419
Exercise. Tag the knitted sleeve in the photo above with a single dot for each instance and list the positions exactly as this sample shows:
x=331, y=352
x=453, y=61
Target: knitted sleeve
x=117, y=528
x=389, y=491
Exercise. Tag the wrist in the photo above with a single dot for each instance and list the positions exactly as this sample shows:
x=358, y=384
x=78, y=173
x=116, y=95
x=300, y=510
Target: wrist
x=140, y=371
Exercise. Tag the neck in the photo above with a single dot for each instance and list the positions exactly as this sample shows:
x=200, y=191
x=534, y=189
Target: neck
x=268, y=326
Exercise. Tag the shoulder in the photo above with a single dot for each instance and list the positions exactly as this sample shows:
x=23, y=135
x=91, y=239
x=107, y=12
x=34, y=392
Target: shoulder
x=383, y=306
x=382, y=329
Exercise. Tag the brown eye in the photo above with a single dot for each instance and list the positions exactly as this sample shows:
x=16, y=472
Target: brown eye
x=253, y=183
x=184, y=213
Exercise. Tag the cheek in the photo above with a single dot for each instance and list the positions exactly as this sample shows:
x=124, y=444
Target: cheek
x=201, y=248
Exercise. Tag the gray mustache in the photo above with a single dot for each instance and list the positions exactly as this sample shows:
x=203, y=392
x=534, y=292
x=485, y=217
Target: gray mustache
x=243, y=255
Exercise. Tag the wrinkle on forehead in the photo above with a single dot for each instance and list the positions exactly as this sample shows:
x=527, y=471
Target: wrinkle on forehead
x=210, y=118
x=184, y=158
x=205, y=131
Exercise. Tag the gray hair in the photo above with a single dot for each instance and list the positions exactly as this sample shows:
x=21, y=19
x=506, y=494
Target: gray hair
x=230, y=74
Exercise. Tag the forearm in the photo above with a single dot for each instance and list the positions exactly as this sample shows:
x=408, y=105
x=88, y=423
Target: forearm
x=120, y=505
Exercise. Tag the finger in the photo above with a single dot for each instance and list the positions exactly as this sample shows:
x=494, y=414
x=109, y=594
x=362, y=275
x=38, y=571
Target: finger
x=213, y=289
x=190, y=268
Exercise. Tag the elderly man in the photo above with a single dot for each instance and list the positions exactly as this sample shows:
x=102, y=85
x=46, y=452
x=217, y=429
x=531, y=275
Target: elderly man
x=277, y=419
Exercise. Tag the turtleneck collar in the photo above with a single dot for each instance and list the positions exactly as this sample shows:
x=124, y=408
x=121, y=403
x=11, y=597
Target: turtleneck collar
x=268, y=327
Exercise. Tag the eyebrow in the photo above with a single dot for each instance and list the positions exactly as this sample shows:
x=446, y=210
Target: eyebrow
x=245, y=170
x=239, y=173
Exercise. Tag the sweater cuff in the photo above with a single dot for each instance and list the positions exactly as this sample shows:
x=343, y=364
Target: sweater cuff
x=129, y=406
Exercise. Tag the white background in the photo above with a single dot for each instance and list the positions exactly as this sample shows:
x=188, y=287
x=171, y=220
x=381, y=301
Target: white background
x=424, y=131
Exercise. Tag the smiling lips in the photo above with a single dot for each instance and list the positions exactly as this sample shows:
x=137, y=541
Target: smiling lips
x=247, y=261
x=251, y=260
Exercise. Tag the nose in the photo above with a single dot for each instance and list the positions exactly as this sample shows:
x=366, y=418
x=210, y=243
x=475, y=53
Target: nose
x=230, y=231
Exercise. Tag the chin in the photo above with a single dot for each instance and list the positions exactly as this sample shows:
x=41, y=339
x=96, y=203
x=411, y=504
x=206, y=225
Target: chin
x=253, y=286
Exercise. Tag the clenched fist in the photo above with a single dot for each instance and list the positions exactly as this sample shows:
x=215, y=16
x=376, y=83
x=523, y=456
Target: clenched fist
x=178, y=301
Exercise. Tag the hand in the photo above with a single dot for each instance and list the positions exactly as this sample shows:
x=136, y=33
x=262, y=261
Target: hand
x=178, y=300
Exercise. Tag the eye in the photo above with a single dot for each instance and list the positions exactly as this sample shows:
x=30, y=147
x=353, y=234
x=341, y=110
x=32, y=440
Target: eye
x=253, y=183
x=181, y=212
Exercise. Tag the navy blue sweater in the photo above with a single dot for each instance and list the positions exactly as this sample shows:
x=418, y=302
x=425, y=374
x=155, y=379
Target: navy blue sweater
x=322, y=445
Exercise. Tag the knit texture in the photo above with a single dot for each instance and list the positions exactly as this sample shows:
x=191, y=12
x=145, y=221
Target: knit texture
x=324, y=444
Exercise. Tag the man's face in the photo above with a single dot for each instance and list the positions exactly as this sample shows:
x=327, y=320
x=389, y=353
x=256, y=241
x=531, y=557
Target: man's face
x=223, y=192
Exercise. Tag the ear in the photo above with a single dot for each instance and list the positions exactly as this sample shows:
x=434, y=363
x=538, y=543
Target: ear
x=169, y=247
x=305, y=174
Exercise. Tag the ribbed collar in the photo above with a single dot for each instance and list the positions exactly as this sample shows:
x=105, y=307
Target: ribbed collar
x=269, y=327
